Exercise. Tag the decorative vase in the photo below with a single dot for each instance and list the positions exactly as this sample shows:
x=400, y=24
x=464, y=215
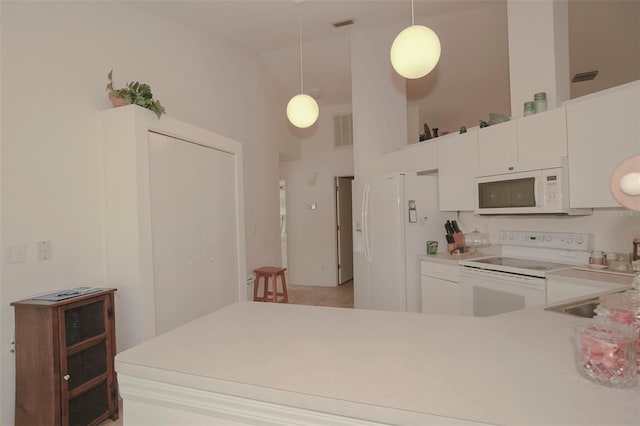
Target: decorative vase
x=117, y=102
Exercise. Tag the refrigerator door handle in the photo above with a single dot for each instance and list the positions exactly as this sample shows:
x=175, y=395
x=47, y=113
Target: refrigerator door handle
x=365, y=223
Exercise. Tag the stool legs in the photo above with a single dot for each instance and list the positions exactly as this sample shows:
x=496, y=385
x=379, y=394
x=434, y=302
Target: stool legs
x=273, y=273
x=284, y=288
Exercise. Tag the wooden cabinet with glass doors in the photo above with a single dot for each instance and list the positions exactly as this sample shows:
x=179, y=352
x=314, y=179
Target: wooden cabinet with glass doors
x=64, y=360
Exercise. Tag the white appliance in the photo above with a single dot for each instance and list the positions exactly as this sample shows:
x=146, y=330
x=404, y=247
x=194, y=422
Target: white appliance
x=544, y=191
x=517, y=279
x=394, y=216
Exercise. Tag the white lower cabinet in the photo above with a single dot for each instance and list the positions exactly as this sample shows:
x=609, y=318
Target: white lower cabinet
x=439, y=283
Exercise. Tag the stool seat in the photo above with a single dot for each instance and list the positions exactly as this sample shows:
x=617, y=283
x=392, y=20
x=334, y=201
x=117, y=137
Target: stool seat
x=272, y=272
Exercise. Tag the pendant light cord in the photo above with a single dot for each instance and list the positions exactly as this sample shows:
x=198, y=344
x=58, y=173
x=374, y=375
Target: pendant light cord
x=300, y=33
x=412, y=19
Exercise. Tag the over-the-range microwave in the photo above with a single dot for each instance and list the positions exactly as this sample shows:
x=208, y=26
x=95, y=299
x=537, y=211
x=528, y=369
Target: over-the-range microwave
x=543, y=191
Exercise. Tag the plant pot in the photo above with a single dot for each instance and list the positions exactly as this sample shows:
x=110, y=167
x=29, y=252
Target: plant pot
x=117, y=102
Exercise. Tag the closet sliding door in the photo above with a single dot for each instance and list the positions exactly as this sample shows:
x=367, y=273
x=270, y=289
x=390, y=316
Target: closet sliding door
x=193, y=222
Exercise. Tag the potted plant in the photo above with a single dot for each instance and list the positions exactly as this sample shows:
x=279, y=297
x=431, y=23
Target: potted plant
x=134, y=93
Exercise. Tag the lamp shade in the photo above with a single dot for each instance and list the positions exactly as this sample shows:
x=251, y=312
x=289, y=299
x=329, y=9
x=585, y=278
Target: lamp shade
x=630, y=183
x=302, y=111
x=415, y=51
x=625, y=183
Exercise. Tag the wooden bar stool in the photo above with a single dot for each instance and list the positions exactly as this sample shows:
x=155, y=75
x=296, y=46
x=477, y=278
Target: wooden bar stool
x=270, y=296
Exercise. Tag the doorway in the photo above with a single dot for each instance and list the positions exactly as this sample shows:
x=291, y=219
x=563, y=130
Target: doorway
x=344, y=231
x=283, y=222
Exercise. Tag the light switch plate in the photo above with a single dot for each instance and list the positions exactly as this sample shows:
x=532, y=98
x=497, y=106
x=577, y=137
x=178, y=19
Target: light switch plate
x=14, y=254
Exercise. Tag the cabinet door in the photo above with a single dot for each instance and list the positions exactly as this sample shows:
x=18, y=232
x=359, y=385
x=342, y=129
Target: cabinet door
x=193, y=216
x=602, y=131
x=497, y=149
x=439, y=296
x=217, y=223
x=542, y=139
x=85, y=361
x=175, y=221
x=457, y=164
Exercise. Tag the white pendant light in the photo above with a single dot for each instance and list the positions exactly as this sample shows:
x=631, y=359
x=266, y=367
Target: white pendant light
x=302, y=110
x=415, y=51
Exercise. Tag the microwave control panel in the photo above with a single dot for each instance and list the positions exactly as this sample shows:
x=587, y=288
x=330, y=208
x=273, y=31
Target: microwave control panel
x=552, y=189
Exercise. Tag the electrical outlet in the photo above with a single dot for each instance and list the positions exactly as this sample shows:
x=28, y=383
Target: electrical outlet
x=44, y=250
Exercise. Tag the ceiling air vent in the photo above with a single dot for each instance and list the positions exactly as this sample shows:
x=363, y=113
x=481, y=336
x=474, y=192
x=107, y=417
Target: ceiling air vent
x=343, y=130
x=343, y=23
x=584, y=76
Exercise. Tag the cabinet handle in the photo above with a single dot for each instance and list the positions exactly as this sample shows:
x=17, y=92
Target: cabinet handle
x=511, y=168
x=66, y=377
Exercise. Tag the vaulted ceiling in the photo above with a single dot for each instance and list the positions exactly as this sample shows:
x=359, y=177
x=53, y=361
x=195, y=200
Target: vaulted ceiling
x=472, y=75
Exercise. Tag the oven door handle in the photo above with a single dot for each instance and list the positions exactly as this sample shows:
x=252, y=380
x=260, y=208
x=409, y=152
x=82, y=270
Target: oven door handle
x=505, y=277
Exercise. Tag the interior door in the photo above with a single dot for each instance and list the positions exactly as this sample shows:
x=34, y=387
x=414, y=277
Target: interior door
x=344, y=229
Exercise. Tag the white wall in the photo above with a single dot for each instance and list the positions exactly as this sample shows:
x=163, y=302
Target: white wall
x=615, y=53
x=378, y=99
x=55, y=58
x=311, y=234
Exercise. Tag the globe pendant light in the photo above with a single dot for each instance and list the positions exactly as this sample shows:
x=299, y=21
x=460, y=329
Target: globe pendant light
x=415, y=51
x=302, y=110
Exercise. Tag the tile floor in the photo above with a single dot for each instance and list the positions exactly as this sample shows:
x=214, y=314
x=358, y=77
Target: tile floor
x=340, y=297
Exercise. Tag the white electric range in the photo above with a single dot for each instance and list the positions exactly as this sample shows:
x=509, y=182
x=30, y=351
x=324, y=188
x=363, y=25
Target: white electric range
x=517, y=279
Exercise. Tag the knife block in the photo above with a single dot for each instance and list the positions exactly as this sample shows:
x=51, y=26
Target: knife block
x=457, y=247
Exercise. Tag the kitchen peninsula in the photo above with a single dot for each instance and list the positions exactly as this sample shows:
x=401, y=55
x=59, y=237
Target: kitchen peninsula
x=275, y=364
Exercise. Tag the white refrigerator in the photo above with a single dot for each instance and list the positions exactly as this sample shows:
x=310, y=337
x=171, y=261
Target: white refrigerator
x=394, y=216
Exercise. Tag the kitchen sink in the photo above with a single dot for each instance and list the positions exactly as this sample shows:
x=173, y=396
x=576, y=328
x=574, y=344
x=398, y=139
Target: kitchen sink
x=583, y=308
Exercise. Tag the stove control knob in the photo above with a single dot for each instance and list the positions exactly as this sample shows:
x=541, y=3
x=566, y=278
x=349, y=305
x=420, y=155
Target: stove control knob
x=579, y=240
x=569, y=240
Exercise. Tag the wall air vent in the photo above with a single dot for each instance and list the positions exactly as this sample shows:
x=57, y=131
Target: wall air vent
x=343, y=23
x=343, y=130
x=584, y=76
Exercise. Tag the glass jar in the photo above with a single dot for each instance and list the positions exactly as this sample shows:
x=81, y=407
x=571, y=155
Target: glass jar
x=604, y=353
x=624, y=308
x=529, y=108
x=540, y=101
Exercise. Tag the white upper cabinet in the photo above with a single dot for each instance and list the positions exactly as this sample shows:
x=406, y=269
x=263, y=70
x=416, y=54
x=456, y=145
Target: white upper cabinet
x=538, y=141
x=542, y=139
x=497, y=149
x=603, y=130
x=457, y=163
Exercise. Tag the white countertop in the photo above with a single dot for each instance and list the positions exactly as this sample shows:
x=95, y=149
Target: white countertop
x=584, y=274
x=515, y=368
x=449, y=258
